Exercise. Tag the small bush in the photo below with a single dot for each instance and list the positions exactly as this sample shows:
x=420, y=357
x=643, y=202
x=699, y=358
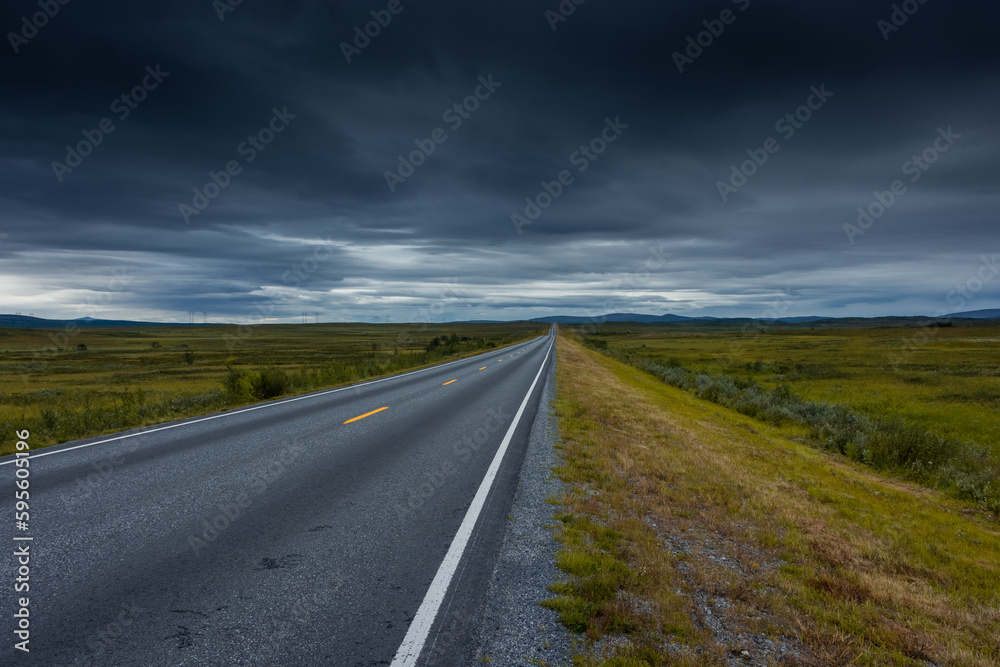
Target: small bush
x=271, y=382
x=245, y=385
x=442, y=346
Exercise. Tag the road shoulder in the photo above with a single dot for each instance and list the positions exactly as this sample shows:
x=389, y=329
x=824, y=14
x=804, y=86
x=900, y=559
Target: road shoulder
x=516, y=629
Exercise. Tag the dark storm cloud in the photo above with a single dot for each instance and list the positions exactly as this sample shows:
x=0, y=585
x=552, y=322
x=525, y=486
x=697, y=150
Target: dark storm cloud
x=445, y=234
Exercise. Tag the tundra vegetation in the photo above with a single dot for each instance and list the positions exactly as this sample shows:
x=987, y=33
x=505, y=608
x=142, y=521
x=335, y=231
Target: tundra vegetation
x=929, y=413
x=718, y=513
x=106, y=379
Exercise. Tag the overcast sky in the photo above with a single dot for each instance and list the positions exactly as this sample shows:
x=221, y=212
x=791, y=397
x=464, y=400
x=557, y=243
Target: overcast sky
x=643, y=125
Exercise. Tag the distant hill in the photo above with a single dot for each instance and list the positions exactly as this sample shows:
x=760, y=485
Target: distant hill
x=28, y=322
x=612, y=317
x=991, y=314
x=798, y=320
x=667, y=318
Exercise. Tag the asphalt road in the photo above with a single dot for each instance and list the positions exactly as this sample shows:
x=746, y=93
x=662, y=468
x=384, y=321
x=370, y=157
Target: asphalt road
x=280, y=535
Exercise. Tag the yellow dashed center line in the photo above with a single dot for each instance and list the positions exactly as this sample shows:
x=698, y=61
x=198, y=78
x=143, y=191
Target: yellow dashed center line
x=483, y=368
x=450, y=381
x=367, y=414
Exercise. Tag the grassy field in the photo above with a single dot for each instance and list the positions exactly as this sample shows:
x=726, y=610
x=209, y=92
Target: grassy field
x=927, y=411
x=66, y=385
x=696, y=535
x=947, y=380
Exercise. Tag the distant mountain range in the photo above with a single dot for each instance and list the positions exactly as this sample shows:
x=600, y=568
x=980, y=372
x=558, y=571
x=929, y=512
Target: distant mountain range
x=671, y=318
x=28, y=322
x=991, y=314
x=661, y=319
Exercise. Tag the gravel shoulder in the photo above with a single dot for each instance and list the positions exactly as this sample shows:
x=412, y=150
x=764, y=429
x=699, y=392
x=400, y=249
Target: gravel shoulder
x=516, y=630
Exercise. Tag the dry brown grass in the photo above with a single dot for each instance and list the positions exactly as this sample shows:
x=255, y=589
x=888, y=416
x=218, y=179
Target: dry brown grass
x=734, y=545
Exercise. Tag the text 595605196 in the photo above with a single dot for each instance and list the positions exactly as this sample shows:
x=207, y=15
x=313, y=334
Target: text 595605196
x=22, y=541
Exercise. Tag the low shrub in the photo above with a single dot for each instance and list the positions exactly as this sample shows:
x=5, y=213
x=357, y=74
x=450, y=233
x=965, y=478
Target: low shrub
x=245, y=385
x=887, y=442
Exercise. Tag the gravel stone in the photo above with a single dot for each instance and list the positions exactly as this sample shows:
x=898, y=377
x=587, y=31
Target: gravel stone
x=517, y=630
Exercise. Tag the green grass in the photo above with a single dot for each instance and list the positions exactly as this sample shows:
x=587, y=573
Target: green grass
x=677, y=506
x=586, y=602
x=135, y=376
x=909, y=432
x=947, y=380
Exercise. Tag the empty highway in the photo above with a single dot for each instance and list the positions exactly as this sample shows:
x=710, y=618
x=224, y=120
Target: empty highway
x=354, y=526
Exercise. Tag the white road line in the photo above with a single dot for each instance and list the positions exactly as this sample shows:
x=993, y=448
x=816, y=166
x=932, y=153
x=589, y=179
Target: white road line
x=420, y=628
x=237, y=412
